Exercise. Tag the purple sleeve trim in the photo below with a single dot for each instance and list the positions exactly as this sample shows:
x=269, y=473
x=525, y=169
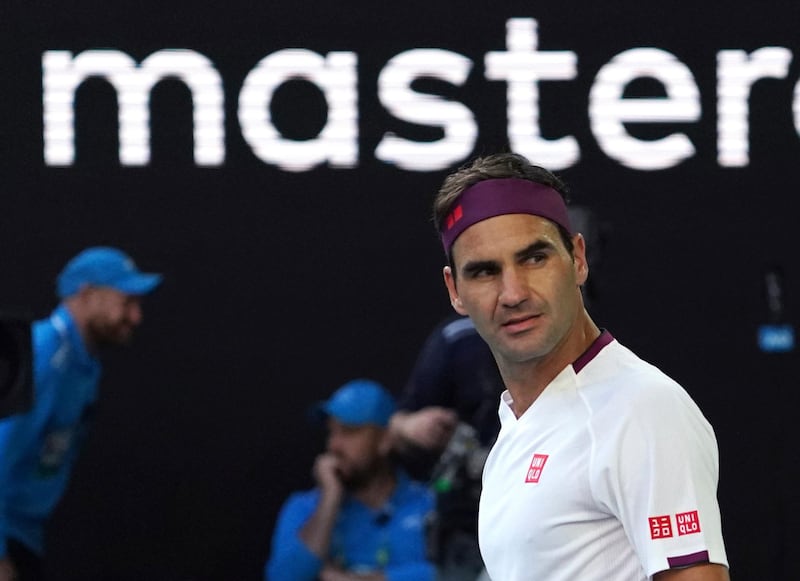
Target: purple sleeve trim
x=686, y=560
x=604, y=339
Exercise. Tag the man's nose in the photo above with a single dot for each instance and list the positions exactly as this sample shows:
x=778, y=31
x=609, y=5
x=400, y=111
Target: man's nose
x=514, y=288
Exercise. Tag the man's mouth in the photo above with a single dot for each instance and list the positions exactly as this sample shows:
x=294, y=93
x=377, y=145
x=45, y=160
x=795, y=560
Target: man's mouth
x=520, y=324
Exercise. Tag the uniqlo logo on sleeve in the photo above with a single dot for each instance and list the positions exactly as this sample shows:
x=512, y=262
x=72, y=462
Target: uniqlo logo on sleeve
x=536, y=467
x=688, y=523
x=660, y=527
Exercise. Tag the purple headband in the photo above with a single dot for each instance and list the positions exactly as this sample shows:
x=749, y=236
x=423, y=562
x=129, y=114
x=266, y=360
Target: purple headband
x=489, y=198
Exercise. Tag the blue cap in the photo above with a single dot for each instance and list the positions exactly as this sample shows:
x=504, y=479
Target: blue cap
x=359, y=402
x=104, y=266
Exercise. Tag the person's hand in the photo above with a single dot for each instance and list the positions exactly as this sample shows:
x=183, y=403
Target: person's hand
x=429, y=428
x=7, y=571
x=326, y=474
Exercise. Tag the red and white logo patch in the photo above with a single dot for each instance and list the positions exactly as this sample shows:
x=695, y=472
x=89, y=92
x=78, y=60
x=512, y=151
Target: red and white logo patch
x=660, y=527
x=455, y=216
x=688, y=522
x=536, y=467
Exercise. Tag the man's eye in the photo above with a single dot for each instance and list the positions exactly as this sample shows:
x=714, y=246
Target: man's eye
x=481, y=273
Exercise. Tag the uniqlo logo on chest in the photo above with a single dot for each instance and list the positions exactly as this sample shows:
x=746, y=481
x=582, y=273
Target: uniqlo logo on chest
x=536, y=467
x=688, y=522
x=660, y=527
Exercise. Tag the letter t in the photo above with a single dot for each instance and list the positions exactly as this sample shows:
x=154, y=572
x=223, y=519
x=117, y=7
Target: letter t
x=522, y=66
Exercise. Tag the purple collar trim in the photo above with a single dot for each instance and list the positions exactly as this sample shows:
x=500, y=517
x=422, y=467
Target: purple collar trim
x=604, y=339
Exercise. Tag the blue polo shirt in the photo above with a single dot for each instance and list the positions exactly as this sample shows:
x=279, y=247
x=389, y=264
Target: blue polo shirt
x=390, y=540
x=39, y=447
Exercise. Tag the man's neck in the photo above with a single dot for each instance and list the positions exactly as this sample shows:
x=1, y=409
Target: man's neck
x=527, y=380
x=378, y=489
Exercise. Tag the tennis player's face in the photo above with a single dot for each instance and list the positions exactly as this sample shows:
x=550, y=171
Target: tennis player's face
x=518, y=283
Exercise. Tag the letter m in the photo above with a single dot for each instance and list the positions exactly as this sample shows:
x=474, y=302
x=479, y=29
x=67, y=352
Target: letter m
x=63, y=73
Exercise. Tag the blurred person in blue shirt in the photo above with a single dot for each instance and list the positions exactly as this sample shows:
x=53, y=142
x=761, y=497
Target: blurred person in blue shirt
x=365, y=519
x=100, y=292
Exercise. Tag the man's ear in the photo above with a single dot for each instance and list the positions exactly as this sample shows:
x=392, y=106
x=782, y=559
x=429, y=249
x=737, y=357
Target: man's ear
x=579, y=254
x=450, y=283
x=84, y=292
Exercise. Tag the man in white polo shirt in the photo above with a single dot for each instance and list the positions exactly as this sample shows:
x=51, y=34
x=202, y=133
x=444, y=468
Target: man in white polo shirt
x=604, y=468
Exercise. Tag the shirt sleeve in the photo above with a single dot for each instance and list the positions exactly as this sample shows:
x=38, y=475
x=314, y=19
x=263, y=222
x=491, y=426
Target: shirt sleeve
x=20, y=434
x=290, y=559
x=16, y=435
x=663, y=484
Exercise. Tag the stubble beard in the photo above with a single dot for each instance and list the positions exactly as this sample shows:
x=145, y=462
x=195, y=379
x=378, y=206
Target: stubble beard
x=105, y=334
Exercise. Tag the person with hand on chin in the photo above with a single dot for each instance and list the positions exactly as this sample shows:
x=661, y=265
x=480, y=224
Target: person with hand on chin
x=365, y=519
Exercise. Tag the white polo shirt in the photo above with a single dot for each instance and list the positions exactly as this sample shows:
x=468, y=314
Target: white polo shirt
x=610, y=475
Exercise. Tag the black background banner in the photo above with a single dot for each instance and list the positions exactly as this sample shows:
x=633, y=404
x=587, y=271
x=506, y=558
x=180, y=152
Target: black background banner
x=281, y=284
